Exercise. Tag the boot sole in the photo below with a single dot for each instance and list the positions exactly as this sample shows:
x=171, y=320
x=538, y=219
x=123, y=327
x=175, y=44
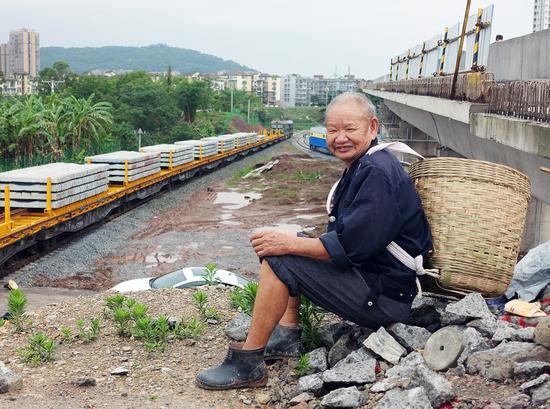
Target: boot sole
x=236, y=385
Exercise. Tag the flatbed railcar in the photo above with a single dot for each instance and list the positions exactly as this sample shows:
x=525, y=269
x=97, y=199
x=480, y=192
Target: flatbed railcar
x=26, y=231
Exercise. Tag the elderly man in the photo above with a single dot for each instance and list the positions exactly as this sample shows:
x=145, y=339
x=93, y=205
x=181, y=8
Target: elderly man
x=347, y=270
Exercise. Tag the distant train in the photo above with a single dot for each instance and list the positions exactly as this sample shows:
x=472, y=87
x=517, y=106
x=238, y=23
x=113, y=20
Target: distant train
x=38, y=208
x=317, y=137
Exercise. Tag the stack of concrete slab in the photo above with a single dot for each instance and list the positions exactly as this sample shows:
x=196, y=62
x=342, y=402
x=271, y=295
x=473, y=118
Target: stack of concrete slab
x=252, y=137
x=180, y=154
x=140, y=164
x=70, y=183
x=225, y=142
x=203, y=148
x=241, y=139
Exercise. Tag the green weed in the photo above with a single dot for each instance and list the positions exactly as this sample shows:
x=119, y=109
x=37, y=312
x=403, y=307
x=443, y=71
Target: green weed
x=17, y=301
x=66, y=335
x=88, y=334
x=122, y=319
x=242, y=299
x=303, y=366
x=39, y=350
x=201, y=302
x=192, y=328
x=210, y=274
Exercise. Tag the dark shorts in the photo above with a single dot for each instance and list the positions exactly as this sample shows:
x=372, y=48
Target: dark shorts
x=344, y=293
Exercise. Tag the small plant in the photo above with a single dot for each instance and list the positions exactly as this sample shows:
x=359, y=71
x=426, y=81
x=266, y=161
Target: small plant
x=201, y=301
x=39, y=350
x=17, y=301
x=192, y=328
x=138, y=311
x=153, y=332
x=112, y=303
x=243, y=299
x=210, y=274
x=130, y=302
x=66, y=335
x=303, y=366
x=88, y=334
x=122, y=319
x=311, y=317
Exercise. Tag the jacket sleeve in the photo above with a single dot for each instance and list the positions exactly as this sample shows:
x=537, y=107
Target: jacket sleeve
x=368, y=224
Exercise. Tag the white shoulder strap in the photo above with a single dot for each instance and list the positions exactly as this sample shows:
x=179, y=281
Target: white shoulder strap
x=394, y=146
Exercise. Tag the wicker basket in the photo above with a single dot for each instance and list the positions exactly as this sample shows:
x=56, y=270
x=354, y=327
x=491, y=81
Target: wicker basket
x=477, y=214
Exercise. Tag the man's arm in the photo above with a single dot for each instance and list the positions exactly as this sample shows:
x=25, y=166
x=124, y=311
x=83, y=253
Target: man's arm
x=276, y=243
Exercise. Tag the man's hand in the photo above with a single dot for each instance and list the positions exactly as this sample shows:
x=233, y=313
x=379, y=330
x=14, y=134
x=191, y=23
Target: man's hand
x=272, y=243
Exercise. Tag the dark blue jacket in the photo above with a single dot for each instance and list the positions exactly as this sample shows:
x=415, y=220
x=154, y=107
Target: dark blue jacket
x=374, y=204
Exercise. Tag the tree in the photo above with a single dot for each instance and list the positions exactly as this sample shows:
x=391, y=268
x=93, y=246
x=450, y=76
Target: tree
x=192, y=95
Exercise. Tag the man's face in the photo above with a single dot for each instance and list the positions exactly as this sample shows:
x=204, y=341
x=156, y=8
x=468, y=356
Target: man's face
x=349, y=131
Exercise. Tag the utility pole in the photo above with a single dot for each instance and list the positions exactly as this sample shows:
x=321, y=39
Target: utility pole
x=53, y=84
x=231, y=100
x=460, y=47
x=248, y=115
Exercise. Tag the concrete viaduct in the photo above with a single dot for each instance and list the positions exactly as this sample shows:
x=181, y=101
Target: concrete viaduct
x=474, y=129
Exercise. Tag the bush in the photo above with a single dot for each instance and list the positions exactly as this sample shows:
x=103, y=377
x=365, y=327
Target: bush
x=243, y=299
x=88, y=334
x=192, y=328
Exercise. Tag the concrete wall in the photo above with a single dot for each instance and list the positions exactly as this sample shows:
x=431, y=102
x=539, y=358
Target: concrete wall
x=521, y=58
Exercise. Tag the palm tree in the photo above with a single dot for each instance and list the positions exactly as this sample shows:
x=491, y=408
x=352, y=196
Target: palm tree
x=88, y=122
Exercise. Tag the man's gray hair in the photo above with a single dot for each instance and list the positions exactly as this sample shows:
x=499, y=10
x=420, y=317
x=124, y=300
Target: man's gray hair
x=360, y=99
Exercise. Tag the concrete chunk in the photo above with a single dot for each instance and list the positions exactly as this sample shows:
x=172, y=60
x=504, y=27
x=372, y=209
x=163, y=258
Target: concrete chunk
x=318, y=360
x=486, y=326
x=472, y=341
x=415, y=398
x=541, y=394
x=534, y=382
x=531, y=368
x=498, y=363
x=357, y=368
x=542, y=332
x=507, y=331
x=472, y=306
x=238, y=327
x=409, y=336
x=344, y=398
x=311, y=383
x=406, y=367
x=437, y=388
x=383, y=344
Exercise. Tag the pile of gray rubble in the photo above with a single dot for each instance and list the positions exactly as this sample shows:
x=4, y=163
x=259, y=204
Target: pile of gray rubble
x=410, y=366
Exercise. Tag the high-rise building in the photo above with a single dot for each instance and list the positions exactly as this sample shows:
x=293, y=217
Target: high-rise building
x=4, y=53
x=541, y=15
x=23, y=50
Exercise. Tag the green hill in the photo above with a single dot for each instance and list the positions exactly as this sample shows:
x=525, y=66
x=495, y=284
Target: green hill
x=150, y=58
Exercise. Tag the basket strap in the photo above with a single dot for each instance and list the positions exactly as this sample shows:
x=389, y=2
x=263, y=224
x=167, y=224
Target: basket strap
x=414, y=263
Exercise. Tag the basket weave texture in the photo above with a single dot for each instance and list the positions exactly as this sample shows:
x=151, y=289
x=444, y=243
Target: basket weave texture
x=477, y=212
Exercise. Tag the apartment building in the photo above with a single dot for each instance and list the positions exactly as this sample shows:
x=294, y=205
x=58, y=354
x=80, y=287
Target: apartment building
x=304, y=91
x=541, y=15
x=21, y=55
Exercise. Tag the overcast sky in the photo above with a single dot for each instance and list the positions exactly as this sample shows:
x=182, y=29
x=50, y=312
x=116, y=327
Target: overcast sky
x=281, y=37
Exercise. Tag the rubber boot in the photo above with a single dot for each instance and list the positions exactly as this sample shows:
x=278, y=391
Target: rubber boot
x=240, y=369
x=285, y=342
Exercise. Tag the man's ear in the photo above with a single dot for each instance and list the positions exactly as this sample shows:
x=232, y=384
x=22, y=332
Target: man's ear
x=373, y=126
